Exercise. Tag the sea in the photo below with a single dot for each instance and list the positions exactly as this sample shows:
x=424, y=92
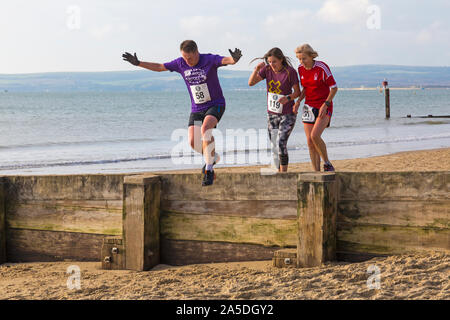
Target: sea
x=128, y=132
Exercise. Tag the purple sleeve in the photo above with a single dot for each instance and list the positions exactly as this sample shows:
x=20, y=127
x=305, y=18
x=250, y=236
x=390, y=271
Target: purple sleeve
x=217, y=60
x=172, y=65
x=262, y=72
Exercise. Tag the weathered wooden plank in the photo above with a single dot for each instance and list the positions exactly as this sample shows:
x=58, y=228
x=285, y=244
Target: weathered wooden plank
x=141, y=223
x=179, y=252
x=2, y=223
x=69, y=187
x=394, y=185
x=230, y=186
x=74, y=216
x=277, y=209
x=33, y=245
x=317, y=207
x=396, y=213
x=376, y=239
x=267, y=232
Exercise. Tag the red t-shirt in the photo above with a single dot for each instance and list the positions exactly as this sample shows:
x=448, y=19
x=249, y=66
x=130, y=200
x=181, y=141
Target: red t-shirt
x=317, y=83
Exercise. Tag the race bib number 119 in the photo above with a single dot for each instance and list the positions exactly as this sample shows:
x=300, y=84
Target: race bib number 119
x=200, y=93
x=273, y=103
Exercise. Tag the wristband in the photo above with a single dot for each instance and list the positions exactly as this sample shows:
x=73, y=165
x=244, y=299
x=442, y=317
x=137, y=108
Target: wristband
x=328, y=103
x=288, y=97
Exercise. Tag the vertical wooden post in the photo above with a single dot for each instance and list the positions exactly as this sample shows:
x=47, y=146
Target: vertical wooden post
x=317, y=210
x=388, y=103
x=141, y=222
x=387, y=99
x=2, y=221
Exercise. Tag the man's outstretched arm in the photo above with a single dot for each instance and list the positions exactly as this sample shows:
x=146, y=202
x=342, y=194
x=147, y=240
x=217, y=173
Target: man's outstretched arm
x=158, y=67
x=235, y=56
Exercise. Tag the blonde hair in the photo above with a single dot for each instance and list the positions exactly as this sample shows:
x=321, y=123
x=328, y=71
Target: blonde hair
x=306, y=48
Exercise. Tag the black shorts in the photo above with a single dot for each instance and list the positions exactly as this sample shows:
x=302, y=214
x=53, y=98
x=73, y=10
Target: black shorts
x=316, y=115
x=216, y=111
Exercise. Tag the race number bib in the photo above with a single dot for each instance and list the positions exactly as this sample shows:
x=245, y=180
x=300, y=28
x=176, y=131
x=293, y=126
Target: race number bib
x=308, y=114
x=273, y=103
x=200, y=93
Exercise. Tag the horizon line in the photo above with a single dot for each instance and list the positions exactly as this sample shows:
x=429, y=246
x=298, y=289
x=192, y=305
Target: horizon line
x=142, y=69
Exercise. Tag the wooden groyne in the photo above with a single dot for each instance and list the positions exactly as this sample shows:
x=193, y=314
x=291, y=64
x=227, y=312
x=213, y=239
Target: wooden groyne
x=171, y=219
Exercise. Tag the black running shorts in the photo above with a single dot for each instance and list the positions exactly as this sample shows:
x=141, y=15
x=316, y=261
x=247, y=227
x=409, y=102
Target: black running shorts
x=216, y=111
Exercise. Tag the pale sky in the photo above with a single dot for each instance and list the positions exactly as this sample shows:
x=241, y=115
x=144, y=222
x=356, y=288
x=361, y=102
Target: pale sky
x=91, y=35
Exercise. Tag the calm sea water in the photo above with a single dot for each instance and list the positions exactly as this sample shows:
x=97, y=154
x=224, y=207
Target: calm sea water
x=64, y=133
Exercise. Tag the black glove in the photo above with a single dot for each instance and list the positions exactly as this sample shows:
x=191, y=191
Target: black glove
x=236, y=55
x=130, y=58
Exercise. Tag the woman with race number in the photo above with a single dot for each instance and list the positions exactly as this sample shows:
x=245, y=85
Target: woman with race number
x=319, y=89
x=282, y=88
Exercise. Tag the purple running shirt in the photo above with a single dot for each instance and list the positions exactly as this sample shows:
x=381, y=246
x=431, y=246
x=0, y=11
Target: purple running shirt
x=280, y=83
x=201, y=80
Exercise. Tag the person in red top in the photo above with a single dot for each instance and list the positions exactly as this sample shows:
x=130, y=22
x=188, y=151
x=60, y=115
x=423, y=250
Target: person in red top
x=319, y=89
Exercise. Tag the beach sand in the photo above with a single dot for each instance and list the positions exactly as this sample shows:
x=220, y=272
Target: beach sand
x=424, y=160
x=409, y=276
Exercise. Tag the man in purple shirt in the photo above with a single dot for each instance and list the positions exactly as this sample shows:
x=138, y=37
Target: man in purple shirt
x=199, y=72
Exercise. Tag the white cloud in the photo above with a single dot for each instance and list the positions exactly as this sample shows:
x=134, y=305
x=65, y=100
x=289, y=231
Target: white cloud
x=285, y=24
x=344, y=11
x=429, y=33
x=197, y=26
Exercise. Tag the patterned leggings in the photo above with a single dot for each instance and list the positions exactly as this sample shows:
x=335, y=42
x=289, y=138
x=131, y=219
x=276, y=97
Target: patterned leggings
x=284, y=123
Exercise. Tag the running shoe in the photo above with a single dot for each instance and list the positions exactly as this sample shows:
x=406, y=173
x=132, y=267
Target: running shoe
x=328, y=167
x=208, y=178
x=216, y=159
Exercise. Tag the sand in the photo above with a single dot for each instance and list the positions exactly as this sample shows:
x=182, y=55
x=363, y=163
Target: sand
x=418, y=276
x=424, y=276
x=424, y=160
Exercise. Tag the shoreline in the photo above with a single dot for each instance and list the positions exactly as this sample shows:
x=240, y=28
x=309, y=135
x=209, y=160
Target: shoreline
x=437, y=159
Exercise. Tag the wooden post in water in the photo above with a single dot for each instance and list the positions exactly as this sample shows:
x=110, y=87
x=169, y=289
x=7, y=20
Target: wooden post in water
x=2, y=222
x=387, y=99
x=317, y=210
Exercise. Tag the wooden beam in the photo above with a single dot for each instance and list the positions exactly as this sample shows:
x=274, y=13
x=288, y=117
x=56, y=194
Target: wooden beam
x=272, y=209
x=98, y=217
x=182, y=252
x=230, y=186
x=379, y=239
x=37, y=246
x=317, y=210
x=395, y=186
x=2, y=222
x=396, y=213
x=246, y=230
x=141, y=222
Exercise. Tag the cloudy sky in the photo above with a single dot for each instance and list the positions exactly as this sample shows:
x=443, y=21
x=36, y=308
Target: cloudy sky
x=79, y=35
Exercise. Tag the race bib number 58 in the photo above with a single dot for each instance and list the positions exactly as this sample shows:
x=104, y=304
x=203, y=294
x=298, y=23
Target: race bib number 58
x=200, y=93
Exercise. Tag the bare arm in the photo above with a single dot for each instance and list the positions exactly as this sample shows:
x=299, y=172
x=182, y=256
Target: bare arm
x=332, y=93
x=324, y=108
x=255, y=77
x=228, y=60
x=133, y=59
x=158, y=67
x=297, y=103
